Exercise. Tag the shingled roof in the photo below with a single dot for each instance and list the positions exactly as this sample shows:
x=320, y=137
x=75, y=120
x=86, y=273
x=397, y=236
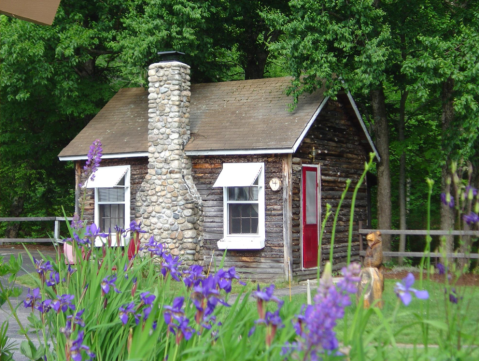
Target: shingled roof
x=245, y=116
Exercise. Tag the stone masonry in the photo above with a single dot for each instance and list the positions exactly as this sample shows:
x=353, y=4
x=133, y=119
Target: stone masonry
x=168, y=202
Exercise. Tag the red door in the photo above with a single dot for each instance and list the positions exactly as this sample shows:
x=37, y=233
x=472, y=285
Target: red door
x=310, y=216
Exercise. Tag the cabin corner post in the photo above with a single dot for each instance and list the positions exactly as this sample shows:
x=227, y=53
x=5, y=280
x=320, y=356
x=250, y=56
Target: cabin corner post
x=77, y=186
x=171, y=207
x=288, y=216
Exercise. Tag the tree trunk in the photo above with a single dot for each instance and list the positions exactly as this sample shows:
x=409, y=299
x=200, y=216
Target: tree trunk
x=466, y=241
x=378, y=102
x=256, y=63
x=447, y=213
x=402, y=176
x=15, y=210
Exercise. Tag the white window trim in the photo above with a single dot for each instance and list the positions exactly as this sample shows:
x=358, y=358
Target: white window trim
x=127, y=203
x=245, y=241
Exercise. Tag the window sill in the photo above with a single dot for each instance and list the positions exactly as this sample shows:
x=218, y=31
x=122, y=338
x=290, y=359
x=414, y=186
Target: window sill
x=241, y=243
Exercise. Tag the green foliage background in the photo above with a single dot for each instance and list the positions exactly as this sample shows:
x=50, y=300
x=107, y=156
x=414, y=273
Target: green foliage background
x=55, y=79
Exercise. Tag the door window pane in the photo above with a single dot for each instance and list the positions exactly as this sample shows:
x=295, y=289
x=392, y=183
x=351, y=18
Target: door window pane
x=310, y=194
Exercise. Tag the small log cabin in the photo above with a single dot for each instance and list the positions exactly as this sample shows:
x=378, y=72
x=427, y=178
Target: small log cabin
x=227, y=166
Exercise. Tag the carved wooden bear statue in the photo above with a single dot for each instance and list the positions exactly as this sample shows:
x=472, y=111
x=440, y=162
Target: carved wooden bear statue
x=374, y=254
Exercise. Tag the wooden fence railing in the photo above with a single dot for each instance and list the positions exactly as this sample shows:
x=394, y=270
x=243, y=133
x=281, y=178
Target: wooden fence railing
x=363, y=232
x=56, y=229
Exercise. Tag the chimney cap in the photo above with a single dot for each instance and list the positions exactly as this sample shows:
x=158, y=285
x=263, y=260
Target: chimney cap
x=170, y=55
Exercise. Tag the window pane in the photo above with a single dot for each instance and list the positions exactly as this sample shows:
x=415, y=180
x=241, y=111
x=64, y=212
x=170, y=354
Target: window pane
x=243, y=218
x=310, y=194
x=112, y=215
x=111, y=194
x=243, y=193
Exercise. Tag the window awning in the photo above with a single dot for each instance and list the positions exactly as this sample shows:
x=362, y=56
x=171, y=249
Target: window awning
x=238, y=174
x=107, y=177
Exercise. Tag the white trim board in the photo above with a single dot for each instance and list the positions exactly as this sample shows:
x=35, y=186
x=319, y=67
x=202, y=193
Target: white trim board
x=310, y=123
x=105, y=156
x=240, y=152
x=358, y=115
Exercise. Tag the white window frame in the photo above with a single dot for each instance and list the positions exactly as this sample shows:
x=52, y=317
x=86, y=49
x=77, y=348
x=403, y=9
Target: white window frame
x=245, y=240
x=127, y=203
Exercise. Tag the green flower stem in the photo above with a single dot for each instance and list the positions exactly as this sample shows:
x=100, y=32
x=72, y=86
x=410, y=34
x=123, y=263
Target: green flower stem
x=353, y=202
x=166, y=346
x=320, y=245
x=176, y=352
x=333, y=233
x=14, y=313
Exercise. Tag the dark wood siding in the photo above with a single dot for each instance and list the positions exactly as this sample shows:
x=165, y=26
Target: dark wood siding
x=138, y=169
x=257, y=264
x=341, y=155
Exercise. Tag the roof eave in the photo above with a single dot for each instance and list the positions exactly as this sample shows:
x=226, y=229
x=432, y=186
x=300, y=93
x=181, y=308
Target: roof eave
x=104, y=156
x=239, y=151
x=365, y=130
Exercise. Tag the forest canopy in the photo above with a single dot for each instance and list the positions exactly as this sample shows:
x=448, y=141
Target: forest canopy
x=411, y=66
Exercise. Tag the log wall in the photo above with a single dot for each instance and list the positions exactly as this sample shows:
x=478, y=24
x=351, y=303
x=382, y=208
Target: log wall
x=266, y=263
x=341, y=155
x=138, y=169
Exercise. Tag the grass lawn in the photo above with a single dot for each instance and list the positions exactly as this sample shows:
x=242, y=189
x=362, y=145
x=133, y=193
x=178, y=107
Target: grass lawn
x=406, y=318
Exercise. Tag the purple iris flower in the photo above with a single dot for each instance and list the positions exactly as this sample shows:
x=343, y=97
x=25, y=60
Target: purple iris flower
x=181, y=328
x=155, y=248
x=272, y=321
x=209, y=321
x=32, y=298
x=71, y=270
x=441, y=269
x=144, y=316
x=77, y=347
x=44, y=306
x=108, y=282
x=146, y=298
x=63, y=303
x=77, y=318
x=225, y=278
x=193, y=276
x=471, y=218
x=80, y=240
x=93, y=231
x=54, y=279
x=453, y=297
x=175, y=309
x=447, y=200
x=171, y=266
x=42, y=267
x=404, y=290
x=125, y=311
x=266, y=295
x=135, y=227
x=205, y=297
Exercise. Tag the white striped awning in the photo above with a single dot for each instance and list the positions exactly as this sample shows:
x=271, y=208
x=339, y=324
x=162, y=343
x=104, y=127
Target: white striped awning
x=107, y=177
x=238, y=174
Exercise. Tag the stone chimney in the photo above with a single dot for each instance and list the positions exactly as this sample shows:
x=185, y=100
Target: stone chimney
x=169, y=204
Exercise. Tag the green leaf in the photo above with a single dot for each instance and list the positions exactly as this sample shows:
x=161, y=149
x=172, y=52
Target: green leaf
x=26, y=350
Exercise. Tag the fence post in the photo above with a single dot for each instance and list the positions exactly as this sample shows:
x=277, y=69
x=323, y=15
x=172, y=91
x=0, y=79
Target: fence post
x=56, y=232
